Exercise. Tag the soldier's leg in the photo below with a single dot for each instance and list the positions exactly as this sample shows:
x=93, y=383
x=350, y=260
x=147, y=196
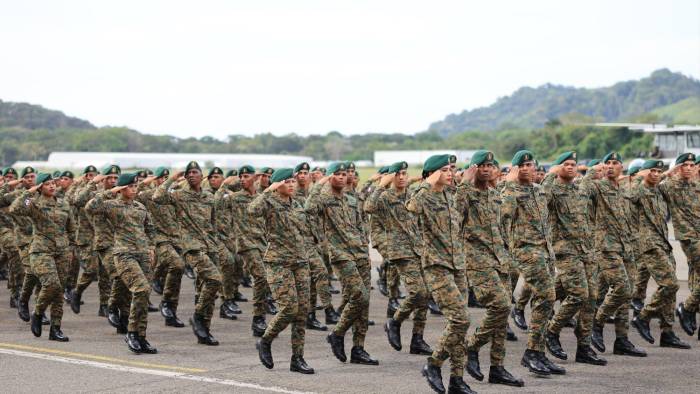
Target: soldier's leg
x=72, y=268
x=301, y=281
x=640, y=285
x=613, y=272
x=622, y=317
x=211, y=282
x=31, y=278
x=453, y=304
x=253, y=261
x=692, y=251
x=572, y=277
x=584, y=324
x=320, y=285
x=283, y=287
x=663, y=301
x=417, y=299
x=15, y=272
x=356, y=293
x=227, y=268
x=131, y=275
x=535, y=271
x=174, y=266
x=359, y=329
x=490, y=292
x=525, y=296
x=44, y=267
x=393, y=280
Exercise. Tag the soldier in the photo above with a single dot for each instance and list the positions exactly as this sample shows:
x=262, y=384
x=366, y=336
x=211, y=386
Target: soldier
x=577, y=273
x=168, y=246
x=348, y=255
x=401, y=248
x=251, y=244
x=65, y=190
x=7, y=241
x=196, y=212
x=133, y=232
x=616, y=266
x=525, y=224
x=487, y=265
x=263, y=178
x=317, y=173
x=286, y=266
x=53, y=228
x=540, y=174
x=443, y=268
x=655, y=255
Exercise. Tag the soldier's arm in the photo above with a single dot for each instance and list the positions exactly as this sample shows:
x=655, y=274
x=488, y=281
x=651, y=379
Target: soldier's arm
x=416, y=201
x=508, y=212
x=99, y=205
x=258, y=207
x=373, y=203
x=71, y=228
x=165, y=194
x=149, y=228
x=85, y=195
x=314, y=202
x=24, y=205
x=7, y=197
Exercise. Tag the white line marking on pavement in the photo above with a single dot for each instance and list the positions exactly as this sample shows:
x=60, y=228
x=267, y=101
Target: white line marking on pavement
x=177, y=375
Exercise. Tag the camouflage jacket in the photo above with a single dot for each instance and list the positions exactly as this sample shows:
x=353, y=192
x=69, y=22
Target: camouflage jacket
x=481, y=228
x=525, y=219
x=250, y=228
x=224, y=221
x=133, y=229
x=102, y=226
x=358, y=214
x=439, y=227
x=196, y=212
x=22, y=224
x=612, y=212
x=339, y=223
x=164, y=219
x=397, y=227
x=651, y=209
x=51, y=219
x=683, y=199
x=310, y=229
x=283, y=221
x=86, y=232
x=568, y=216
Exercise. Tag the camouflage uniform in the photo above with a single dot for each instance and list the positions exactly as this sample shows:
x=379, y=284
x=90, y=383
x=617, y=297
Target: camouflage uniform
x=225, y=226
x=443, y=267
x=488, y=264
x=285, y=264
x=52, y=224
x=525, y=224
x=9, y=246
x=196, y=211
x=133, y=232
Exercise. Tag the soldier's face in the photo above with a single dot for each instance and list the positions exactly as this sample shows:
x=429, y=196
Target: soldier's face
x=247, y=180
x=613, y=169
x=339, y=180
x=653, y=177
x=89, y=176
x=526, y=172
x=129, y=192
x=302, y=178
x=216, y=180
x=110, y=181
x=484, y=172
x=286, y=189
x=194, y=177
x=401, y=180
x=687, y=169
x=65, y=182
x=264, y=180
x=568, y=169
x=48, y=188
x=28, y=180
x=446, y=176
x=316, y=175
x=9, y=177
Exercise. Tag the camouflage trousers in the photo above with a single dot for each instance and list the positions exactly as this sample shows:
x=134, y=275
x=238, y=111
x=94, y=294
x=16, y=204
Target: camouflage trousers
x=253, y=262
x=416, y=301
x=211, y=283
x=391, y=275
x=225, y=262
x=492, y=290
x=15, y=270
x=73, y=268
x=449, y=290
x=535, y=268
x=660, y=266
x=320, y=284
x=355, y=280
x=171, y=263
x=31, y=282
x=640, y=285
x=118, y=295
x=93, y=270
x=618, y=273
x=691, y=248
x=49, y=269
x=577, y=283
x=131, y=271
x=290, y=288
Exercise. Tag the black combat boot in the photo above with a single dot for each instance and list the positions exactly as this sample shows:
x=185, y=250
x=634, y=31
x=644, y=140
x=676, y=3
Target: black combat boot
x=433, y=307
x=472, y=302
x=189, y=272
x=113, y=316
x=197, y=323
x=358, y=355
x=132, y=342
x=332, y=289
x=510, y=335
x=519, y=318
x=637, y=305
x=312, y=322
x=67, y=295
x=23, y=311
x=157, y=286
x=337, y=346
x=332, y=316
x=392, y=306
x=458, y=386
x=247, y=283
x=473, y=367
x=597, y=338
x=169, y=312
x=146, y=347
x=670, y=339
x=225, y=313
x=102, y=311
x=35, y=324
x=55, y=334
x=571, y=323
x=554, y=369
x=152, y=308
x=45, y=320
x=265, y=353
x=75, y=298
x=208, y=340
x=642, y=326
x=586, y=355
x=239, y=297
x=13, y=301
x=624, y=347
x=419, y=346
x=233, y=307
x=298, y=364
x=532, y=362
x=258, y=326
x=270, y=306
x=433, y=375
x=685, y=318
x=499, y=375
x=393, y=333
x=123, y=324
x=381, y=286
x=553, y=344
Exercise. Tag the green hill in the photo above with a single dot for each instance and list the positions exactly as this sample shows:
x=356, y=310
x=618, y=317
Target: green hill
x=683, y=112
x=29, y=116
x=533, y=107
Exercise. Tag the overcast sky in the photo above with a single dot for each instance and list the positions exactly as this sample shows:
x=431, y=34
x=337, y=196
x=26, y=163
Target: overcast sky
x=245, y=67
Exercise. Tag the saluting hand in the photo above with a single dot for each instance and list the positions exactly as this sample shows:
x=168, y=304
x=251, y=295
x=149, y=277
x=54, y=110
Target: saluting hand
x=434, y=178
x=274, y=186
x=376, y=177
x=386, y=180
x=323, y=180
x=149, y=179
x=513, y=174
x=117, y=189
x=34, y=188
x=230, y=180
x=98, y=178
x=177, y=175
x=14, y=183
x=469, y=174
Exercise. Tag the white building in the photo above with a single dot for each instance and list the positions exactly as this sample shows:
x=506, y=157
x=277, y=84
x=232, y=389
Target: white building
x=417, y=157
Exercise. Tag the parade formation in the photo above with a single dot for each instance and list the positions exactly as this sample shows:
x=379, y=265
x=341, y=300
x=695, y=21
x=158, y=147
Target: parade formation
x=585, y=240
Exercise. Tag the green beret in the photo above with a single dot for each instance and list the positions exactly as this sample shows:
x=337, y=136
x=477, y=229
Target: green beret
x=521, y=157
x=267, y=170
x=697, y=159
x=126, y=179
x=593, y=162
x=633, y=170
x=686, y=157
x=453, y=159
x=398, y=166
x=142, y=173
x=301, y=167
x=27, y=170
x=246, y=169
x=42, y=177
x=481, y=157
x=540, y=168
x=9, y=170
x=383, y=170
x=282, y=174
x=89, y=169
x=67, y=174
x=652, y=163
x=231, y=173
x=215, y=171
x=193, y=165
x=571, y=155
x=161, y=172
x=612, y=156
x=436, y=162
x=495, y=162
x=350, y=165
x=323, y=170
x=111, y=169
x=337, y=166
x=56, y=174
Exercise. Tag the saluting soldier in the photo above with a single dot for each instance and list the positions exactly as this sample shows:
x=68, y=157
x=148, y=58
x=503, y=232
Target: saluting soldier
x=7, y=240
